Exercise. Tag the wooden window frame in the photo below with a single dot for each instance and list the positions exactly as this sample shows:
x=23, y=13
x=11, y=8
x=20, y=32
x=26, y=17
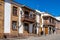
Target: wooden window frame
x=14, y=25
x=26, y=14
x=15, y=9
x=31, y=14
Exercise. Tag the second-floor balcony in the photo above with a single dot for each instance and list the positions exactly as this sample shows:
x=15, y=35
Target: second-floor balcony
x=28, y=18
x=46, y=22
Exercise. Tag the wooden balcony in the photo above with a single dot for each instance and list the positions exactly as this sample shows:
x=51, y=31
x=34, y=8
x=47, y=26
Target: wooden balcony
x=49, y=23
x=28, y=18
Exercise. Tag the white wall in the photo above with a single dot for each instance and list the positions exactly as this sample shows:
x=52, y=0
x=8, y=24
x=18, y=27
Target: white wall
x=37, y=18
x=42, y=20
x=38, y=21
x=7, y=16
x=37, y=30
x=21, y=28
x=20, y=23
x=30, y=28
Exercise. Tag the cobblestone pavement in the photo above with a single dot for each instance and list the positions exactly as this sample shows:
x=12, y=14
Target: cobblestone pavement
x=47, y=37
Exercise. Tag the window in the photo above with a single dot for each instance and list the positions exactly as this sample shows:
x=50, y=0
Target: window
x=31, y=14
x=21, y=12
x=26, y=14
x=14, y=11
x=45, y=18
x=53, y=21
x=50, y=20
x=14, y=25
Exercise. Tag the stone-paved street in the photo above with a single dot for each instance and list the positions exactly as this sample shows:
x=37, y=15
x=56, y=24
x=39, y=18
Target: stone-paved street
x=47, y=37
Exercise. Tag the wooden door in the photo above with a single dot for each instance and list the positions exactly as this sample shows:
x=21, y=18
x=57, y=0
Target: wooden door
x=46, y=30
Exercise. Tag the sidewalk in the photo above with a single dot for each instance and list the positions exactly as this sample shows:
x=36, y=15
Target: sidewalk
x=47, y=37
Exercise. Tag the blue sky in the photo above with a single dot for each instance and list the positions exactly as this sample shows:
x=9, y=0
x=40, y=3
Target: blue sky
x=51, y=6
